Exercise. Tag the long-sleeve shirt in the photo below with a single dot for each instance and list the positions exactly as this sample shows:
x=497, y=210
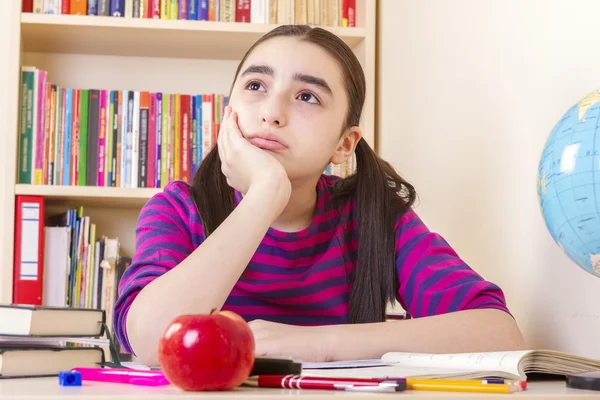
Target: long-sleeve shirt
x=302, y=278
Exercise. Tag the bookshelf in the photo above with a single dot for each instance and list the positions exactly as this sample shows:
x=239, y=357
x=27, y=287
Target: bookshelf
x=127, y=54
x=77, y=34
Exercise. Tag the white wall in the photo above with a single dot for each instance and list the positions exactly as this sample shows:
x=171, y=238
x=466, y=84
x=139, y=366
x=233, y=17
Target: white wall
x=468, y=93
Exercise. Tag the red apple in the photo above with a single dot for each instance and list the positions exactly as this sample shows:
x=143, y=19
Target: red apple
x=207, y=352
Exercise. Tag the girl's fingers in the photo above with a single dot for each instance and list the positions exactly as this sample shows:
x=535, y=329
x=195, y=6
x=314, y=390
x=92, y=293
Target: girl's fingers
x=222, y=139
x=235, y=135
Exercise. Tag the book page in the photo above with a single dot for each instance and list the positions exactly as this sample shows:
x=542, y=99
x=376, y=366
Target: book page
x=388, y=372
x=507, y=361
x=343, y=364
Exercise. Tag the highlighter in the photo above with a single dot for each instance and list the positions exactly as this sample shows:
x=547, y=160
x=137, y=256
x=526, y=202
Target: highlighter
x=123, y=375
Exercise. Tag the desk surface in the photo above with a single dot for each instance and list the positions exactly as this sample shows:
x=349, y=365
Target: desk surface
x=48, y=388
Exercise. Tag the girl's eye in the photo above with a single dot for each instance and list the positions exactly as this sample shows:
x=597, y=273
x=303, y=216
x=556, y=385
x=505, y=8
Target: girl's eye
x=255, y=86
x=307, y=97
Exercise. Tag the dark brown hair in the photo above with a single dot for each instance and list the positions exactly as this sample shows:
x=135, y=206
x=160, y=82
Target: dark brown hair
x=381, y=194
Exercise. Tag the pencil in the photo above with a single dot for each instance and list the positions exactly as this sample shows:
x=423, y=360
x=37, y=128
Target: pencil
x=470, y=382
x=447, y=386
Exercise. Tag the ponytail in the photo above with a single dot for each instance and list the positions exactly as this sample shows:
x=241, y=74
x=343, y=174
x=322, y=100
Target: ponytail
x=381, y=195
x=214, y=198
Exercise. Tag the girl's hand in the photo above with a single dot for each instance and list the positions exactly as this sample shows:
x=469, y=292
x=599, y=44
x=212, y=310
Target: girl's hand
x=305, y=343
x=245, y=165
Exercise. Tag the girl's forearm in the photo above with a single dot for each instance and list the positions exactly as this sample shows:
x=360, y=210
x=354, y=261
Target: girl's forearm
x=458, y=332
x=205, y=278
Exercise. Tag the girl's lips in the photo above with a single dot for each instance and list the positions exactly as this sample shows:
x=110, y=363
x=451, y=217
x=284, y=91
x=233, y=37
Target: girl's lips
x=266, y=144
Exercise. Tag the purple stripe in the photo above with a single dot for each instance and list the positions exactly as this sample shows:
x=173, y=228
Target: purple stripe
x=303, y=320
x=411, y=279
x=245, y=305
x=449, y=270
x=286, y=271
x=437, y=296
x=258, y=289
x=317, y=249
x=334, y=307
x=303, y=290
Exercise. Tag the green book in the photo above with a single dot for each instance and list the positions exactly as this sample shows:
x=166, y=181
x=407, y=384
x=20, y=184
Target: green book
x=26, y=125
x=83, y=135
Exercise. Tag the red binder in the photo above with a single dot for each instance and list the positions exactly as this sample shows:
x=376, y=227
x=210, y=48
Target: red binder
x=28, y=270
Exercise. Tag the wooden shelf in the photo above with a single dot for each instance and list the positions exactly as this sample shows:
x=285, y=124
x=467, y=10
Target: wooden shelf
x=116, y=36
x=89, y=195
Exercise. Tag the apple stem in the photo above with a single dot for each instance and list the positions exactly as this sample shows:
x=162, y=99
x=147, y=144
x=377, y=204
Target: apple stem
x=213, y=311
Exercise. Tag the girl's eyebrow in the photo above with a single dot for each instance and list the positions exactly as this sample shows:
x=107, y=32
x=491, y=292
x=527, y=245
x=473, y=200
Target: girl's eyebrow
x=309, y=79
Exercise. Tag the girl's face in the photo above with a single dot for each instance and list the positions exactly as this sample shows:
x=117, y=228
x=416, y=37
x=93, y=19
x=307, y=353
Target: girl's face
x=291, y=102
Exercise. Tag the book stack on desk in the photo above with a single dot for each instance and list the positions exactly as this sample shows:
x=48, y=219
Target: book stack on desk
x=42, y=341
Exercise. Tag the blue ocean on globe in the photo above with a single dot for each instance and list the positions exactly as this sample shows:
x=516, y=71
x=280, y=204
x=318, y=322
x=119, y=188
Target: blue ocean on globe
x=569, y=183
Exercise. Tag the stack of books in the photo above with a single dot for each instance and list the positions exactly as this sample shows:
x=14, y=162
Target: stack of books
x=42, y=341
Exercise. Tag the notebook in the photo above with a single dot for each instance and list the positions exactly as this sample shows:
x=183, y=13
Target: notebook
x=25, y=320
x=484, y=365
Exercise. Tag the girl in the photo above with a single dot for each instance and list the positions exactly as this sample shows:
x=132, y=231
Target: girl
x=310, y=260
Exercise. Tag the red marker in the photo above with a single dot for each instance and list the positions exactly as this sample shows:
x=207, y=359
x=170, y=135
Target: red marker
x=310, y=382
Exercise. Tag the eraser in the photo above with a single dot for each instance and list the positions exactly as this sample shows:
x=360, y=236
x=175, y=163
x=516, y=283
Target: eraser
x=69, y=378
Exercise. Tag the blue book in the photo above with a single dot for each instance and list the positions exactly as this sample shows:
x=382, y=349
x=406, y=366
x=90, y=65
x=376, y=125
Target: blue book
x=202, y=10
x=117, y=8
x=92, y=7
x=68, y=129
x=193, y=136
x=193, y=10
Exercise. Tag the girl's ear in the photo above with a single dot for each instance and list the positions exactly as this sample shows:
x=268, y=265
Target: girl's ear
x=346, y=145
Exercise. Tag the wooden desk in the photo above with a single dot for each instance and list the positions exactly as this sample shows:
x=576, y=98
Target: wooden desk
x=48, y=388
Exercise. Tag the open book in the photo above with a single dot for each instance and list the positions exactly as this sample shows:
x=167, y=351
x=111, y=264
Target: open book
x=504, y=365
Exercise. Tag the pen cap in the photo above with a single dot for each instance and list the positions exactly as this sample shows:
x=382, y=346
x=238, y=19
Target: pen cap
x=275, y=366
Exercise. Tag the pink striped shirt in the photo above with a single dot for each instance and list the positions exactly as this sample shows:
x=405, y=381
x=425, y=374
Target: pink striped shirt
x=302, y=278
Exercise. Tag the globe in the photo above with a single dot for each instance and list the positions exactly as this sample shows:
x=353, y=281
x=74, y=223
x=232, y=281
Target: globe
x=569, y=183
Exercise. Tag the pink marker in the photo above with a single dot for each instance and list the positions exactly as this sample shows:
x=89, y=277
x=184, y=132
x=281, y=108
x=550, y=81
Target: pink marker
x=123, y=375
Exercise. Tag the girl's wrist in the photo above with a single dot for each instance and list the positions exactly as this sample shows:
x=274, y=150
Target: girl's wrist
x=327, y=337
x=275, y=191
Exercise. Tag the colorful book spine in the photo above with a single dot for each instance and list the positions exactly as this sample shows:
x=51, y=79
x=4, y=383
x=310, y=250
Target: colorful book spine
x=60, y=148
x=158, y=164
x=102, y=118
x=177, y=138
x=40, y=97
x=83, y=137
x=164, y=138
x=135, y=139
x=92, y=7
x=52, y=138
x=117, y=8
x=151, y=137
x=192, y=8
x=68, y=133
x=75, y=139
x=184, y=152
x=26, y=124
x=110, y=138
x=143, y=140
x=202, y=10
